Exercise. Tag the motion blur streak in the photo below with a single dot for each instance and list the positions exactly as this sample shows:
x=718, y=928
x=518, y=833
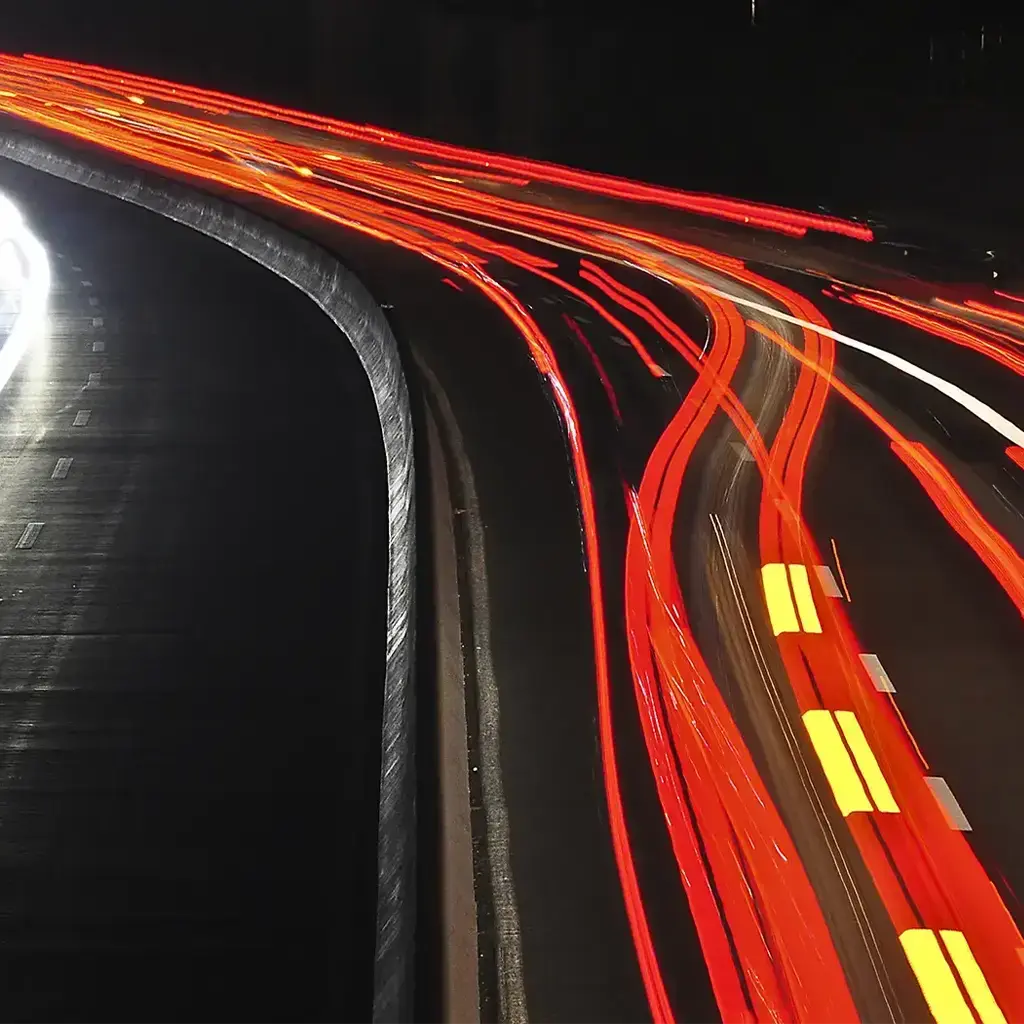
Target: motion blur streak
x=760, y=850
x=944, y=878
x=24, y=285
x=866, y=762
x=791, y=222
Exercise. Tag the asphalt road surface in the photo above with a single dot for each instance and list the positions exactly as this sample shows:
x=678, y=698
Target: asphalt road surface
x=736, y=497
x=191, y=637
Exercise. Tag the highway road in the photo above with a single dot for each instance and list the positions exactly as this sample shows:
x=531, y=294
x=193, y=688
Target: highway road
x=735, y=503
x=191, y=635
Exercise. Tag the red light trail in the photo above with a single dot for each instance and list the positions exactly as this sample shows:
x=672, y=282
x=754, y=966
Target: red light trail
x=771, y=952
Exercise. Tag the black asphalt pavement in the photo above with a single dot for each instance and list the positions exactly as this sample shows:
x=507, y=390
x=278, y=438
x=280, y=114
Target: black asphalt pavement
x=191, y=644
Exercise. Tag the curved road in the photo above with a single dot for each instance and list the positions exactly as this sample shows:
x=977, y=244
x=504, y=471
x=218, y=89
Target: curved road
x=190, y=637
x=735, y=498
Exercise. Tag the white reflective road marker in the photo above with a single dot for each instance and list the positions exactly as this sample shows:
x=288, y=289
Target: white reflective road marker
x=952, y=809
x=60, y=471
x=828, y=581
x=878, y=674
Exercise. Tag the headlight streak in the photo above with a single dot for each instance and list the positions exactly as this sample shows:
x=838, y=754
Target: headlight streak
x=765, y=899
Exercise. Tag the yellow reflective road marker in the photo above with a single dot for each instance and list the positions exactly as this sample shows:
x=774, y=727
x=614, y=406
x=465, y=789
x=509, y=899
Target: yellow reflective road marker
x=835, y=759
x=973, y=978
x=781, y=612
x=866, y=762
x=804, y=599
x=783, y=584
x=935, y=977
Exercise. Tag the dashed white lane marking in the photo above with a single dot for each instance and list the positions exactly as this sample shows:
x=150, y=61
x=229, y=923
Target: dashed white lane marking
x=94, y=380
x=93, y=301
x=953, y=811
x=82, y=417
x=87, y=284
x=828, y=581
x=99, y=346
x=77, y=270
x=878, y=674
x=29, y=535
x=60, y=471
x=97, y=321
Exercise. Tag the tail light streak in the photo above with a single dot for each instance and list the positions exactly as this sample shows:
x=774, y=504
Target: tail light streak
x=766, y=941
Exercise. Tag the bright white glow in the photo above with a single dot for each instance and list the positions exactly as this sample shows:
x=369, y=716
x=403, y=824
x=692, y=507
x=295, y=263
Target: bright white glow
x=32, y=282
x=976, y=406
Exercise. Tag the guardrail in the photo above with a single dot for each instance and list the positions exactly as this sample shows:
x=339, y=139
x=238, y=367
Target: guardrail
x=351, y=308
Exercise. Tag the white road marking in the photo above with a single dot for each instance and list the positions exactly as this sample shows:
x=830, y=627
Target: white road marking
x=93, y=301
x=29, y=535
x=60, y=471
x=97, y=321
x=87, y=284
x=94, y=380
x=828, y=581
x=82, y=417
x=77, y=270
x=99, y=346
x=954, y=812
x=878, y=674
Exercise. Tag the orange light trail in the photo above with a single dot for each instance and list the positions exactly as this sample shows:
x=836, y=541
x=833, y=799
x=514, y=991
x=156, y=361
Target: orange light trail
x=774, y=218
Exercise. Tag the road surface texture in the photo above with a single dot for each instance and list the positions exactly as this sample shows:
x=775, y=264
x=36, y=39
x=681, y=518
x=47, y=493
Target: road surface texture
x=191, y=636
x=735, y=503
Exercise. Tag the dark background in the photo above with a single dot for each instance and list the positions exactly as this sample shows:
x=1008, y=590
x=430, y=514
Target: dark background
x=885, y=106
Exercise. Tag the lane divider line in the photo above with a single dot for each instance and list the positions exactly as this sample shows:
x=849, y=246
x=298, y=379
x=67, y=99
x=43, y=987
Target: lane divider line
x=94, y=380
x=82, y=418
x=787, y=592
x=62, y=468
x=97, y=321
x=804, y=599
x=949, y=803
x=973, y=977
x=835, y=760
x=941, y=986
x=777, y=595
x=828, y=581
x=29, y=535
x=99, y=346
x=867, y=762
